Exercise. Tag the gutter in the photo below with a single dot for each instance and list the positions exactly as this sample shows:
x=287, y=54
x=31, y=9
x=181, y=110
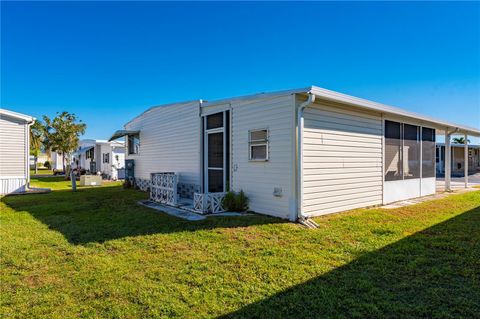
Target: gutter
x=301, y=218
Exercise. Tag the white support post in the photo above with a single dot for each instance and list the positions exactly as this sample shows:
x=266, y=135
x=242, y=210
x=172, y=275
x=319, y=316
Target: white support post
x=465, y=154
x=448, y=161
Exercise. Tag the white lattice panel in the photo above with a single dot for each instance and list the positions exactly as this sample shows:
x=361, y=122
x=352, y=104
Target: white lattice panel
x=163, y=188
x=208, y=203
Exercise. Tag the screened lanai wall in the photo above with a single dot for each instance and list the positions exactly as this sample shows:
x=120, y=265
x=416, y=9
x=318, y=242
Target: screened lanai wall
x=409, y=161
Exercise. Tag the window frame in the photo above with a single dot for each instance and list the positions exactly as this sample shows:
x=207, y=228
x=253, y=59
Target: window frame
x=106, y=158
x=261, y=142
x=128, y=144
x=400, y=164
x=425, y=173
x=420, y=141
x=90, y=154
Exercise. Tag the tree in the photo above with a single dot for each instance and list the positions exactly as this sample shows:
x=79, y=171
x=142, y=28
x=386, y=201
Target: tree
x=62, y=134
x=459, y=140
x=36, y=141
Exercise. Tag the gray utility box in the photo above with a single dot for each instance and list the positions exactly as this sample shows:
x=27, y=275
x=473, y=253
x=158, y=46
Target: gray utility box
x=90, y=180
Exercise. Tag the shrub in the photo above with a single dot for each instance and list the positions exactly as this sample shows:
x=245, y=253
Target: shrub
x=47, y=165
x=235, y=202
x=229, y=201
x=241, y=201
x=127, y=184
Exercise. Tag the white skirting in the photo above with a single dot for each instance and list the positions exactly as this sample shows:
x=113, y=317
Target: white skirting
x=12, y=185
x=395, y=191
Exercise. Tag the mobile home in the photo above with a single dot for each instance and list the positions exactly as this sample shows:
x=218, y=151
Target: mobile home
x=458, y=159
x=100, y=156
x=295, y=153
x=14, y=151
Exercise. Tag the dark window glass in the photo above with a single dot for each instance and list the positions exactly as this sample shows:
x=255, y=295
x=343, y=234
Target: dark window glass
x=214, y=121
x=411, y=151
x=258, y=140
x=429, y=153
x=392, y=130
x=133, y=144
x=393, y=147
x=215, y=180
x=259, y=152
x=215, y=150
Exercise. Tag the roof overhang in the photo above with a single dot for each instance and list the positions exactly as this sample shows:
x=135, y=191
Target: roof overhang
x=16, y=115
x=441, y=126
x=122, y=133
x=83, y=150
x=445, y=126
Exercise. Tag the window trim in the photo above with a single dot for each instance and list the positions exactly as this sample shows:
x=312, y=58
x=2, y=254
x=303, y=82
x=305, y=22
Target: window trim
x=419, y=140
x=128, y=144
x=106, y=158
x=262, y=142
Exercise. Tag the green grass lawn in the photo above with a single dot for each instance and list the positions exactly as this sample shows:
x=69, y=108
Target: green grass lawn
x=41, y=171
x=97, y=254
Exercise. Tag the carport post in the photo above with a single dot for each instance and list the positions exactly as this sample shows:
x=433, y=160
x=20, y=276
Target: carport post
x=448, y=161
x=465, y=154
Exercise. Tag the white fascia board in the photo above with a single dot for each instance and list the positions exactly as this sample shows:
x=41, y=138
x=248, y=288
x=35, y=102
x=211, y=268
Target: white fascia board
x=337, y=97
x=386, y=109
x=17, y=115
x=261, y=95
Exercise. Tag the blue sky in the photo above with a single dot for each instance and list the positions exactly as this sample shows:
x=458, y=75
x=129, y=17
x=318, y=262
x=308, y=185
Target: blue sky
x=109, y=61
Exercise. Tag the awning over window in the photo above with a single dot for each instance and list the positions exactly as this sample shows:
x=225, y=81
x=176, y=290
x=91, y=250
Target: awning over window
x=122, y=133
x=83, y=150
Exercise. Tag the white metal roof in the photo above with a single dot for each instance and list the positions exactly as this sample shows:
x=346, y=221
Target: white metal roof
x=366, y=104
x=121, y=133
x=17, y=115
x=349, y=100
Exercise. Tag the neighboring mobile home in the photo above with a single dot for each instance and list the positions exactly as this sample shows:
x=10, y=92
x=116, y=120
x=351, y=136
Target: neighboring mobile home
x=100, y=156
x=295, y=153
x=14, y=151
x=458, y=163
x=55, y=159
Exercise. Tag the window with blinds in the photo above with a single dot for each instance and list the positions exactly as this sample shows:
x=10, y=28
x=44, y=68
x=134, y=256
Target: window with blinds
x=258, y=145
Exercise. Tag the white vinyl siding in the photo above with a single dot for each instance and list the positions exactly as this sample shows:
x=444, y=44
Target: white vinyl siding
x=13, y=168
x=260, y=178
x=12, y=146
x=169, y=142
x=342, y=162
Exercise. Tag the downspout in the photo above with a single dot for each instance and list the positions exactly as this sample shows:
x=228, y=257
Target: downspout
x=200, y=154
x=27, y=151
x=301, y=218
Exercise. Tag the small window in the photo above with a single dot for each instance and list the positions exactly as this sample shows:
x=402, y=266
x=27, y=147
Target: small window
x=133, y=144
x=90, y=154
x=106, y=157
x=215, y=121
x=258, y=145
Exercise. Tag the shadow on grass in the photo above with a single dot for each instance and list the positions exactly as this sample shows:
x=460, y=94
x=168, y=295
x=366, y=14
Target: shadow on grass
x=105, y=213
x=432, y=274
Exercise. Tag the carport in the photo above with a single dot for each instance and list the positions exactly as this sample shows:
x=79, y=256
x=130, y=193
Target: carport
x=449, y=133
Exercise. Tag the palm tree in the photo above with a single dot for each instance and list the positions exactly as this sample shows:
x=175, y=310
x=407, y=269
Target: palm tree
x=36, y=141
x=459, y=140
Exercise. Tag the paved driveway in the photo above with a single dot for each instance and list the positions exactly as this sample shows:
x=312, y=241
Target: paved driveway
x=457, y=182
